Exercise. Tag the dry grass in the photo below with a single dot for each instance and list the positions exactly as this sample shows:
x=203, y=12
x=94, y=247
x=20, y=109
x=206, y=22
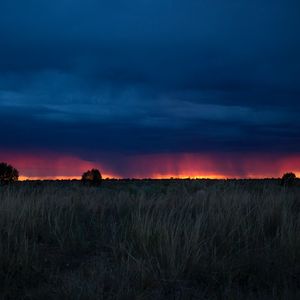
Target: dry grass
x=188, y=239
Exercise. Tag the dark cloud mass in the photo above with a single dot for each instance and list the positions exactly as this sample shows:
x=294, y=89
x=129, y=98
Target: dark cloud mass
x=149, y=76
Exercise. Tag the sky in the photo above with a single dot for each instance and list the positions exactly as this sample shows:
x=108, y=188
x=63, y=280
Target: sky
x=150, y=88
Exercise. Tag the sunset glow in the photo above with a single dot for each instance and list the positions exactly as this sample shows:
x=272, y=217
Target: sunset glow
x=215, y=165
x=156, y=166
x=51, y=166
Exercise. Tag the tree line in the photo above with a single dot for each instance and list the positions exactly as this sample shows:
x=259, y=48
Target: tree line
x=9, y=174
x=93, y=177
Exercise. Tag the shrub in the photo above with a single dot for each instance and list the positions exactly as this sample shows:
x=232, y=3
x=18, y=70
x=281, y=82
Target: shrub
x=92, y=177
x=8, y=173
x=288, y=179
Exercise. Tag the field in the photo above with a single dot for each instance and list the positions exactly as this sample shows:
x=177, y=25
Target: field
x=150, y=239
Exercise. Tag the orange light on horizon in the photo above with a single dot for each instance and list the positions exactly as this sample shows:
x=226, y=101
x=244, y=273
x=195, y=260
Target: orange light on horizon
x=188, y=176
x=216, y=165
x=25, y=178
x=51, y=166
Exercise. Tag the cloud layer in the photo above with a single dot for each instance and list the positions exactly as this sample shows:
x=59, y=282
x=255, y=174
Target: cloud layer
x=98, y=79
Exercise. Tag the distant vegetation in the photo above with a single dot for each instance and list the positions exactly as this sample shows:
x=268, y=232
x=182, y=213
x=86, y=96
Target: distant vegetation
x=168, y=239
x=288, y=179
x=8, y=173
x=92, y=177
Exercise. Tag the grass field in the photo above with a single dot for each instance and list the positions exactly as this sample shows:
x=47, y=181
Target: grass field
x=150, y=239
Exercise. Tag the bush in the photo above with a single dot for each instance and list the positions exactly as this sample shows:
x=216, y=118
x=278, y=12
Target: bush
x=8, y=173
x=92, y=177
x=288, y=179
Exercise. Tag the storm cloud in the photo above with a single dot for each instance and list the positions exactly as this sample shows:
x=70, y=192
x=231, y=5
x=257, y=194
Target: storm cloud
x=96, y=79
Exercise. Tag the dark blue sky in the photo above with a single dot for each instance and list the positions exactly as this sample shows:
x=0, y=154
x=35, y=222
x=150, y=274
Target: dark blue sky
x=104, y=79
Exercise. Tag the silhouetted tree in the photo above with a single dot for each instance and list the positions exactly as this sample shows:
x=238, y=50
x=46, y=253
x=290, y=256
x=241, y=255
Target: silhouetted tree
x=288, y=179
x=8, y=173
x=92, y=177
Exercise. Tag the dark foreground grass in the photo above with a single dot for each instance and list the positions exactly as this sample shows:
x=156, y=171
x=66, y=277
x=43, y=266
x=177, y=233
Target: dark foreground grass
x=185, y=239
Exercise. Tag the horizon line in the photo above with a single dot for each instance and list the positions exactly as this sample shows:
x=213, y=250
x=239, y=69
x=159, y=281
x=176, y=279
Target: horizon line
x=77, y=178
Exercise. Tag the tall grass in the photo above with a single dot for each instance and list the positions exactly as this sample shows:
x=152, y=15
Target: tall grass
x=192, y=239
